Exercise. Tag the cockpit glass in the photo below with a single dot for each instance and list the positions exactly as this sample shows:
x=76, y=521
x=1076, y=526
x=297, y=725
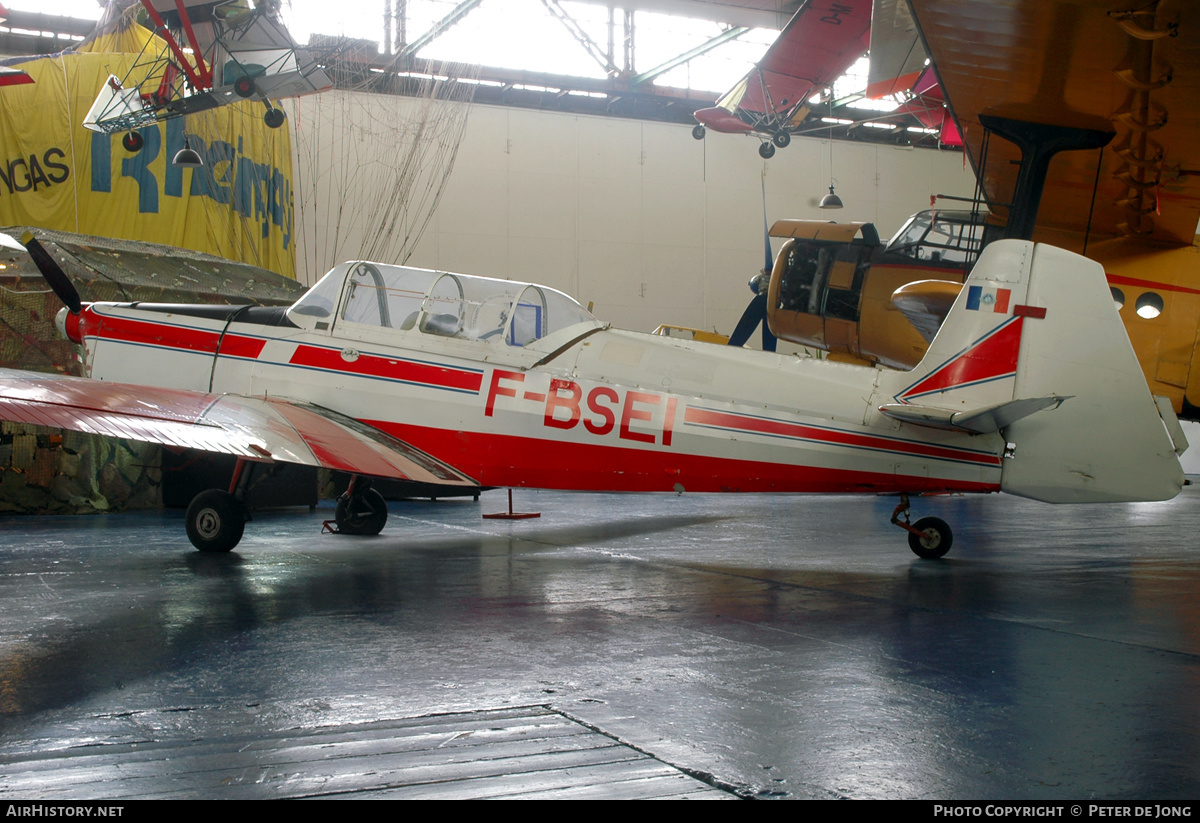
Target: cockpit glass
x=440, y=304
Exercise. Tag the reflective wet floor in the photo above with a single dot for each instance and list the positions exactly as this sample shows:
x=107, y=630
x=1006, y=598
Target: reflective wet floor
x=777, y=646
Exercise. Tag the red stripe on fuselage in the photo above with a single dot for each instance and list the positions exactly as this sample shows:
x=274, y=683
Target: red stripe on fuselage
x=836, y=437
x=142, y=332
x=510, y=460
x=370, y=365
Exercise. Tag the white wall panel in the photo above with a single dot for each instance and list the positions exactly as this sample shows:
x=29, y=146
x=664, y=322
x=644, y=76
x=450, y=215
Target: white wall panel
x=650, y=224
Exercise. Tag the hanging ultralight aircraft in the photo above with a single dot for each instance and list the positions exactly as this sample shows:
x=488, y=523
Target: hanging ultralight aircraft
x=818, y=45
x=389, y=371
x=210, y=54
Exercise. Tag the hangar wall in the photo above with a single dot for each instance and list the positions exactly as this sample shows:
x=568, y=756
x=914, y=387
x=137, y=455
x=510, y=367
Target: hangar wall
x=650, y=224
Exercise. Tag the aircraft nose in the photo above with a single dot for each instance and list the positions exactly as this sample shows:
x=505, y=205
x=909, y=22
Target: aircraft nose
x=68, y=325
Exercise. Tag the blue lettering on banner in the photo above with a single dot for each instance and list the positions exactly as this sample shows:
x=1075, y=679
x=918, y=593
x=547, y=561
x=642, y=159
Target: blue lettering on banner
x=256, y=191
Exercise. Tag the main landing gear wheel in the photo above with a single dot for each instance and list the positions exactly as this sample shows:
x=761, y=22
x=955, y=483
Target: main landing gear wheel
x=935, y=538
x=782, y=139
x=215, y=521
x=698, y=132
x=766, y=151
x=133, y=142
x=244, y=86
x=274, y=118
x=363, y=512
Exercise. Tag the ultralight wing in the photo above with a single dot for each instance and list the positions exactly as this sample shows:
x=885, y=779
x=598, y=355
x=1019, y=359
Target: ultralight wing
x=818, y=45
x=821, y=41
x=259, y=429
x=1096, y=64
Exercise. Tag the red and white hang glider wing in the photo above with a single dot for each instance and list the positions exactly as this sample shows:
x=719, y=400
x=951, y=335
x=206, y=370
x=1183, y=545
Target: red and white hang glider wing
x=261, y=429
x=819, y=44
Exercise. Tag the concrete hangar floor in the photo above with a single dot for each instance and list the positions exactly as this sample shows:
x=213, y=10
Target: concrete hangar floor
x=619, y=646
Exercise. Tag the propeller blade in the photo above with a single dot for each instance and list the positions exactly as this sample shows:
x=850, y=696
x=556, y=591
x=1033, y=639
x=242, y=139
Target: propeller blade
x=55, y=276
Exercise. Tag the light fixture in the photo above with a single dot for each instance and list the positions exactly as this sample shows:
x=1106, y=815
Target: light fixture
x=187, y=157
x=831, y=200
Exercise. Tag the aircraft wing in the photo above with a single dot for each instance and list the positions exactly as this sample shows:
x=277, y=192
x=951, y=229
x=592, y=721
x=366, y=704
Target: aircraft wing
x=1101, y=64
x=261, y=429
x=818, y=45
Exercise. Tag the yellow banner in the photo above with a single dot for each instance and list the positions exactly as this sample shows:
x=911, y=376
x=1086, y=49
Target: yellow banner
x=55, y=174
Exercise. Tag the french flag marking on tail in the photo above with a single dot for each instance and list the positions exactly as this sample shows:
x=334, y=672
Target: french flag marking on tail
x=986, y=299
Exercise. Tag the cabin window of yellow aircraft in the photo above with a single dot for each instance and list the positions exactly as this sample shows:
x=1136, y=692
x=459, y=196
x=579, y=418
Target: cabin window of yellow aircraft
x=1149, y=305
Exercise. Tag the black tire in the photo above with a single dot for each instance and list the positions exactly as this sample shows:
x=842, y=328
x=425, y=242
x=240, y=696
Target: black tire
x=244, y=86
x=133, y=142
x=935, y=540
x=766, y=151
x=364, y=513
x=215, y=521
x=274, y=118
x=782, y=139
x=698, y=132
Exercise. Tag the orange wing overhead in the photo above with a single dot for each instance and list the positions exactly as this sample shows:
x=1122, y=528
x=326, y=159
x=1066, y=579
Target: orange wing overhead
x=1091, y=64
x=262, y=429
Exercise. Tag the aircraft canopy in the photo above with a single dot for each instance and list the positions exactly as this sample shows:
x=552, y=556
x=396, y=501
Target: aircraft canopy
x=462, y=306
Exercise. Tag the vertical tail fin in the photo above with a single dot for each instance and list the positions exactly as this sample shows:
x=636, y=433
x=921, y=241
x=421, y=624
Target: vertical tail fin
x=1036, y=322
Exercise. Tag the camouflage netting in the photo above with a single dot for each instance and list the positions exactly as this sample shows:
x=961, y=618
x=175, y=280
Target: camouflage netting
x=50, y=471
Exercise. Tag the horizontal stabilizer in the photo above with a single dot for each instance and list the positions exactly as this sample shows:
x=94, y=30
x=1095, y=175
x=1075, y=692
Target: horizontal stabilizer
x=980, y=421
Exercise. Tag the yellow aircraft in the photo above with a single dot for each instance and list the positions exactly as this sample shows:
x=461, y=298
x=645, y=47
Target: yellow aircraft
x=1080, y=118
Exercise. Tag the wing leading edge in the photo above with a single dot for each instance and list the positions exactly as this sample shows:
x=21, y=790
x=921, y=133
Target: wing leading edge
x=260, y=429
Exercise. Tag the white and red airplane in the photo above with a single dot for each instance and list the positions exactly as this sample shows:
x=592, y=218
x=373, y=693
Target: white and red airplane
x=1030, y=387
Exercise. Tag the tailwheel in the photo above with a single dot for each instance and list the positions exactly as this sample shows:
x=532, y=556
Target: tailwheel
x=133, y=142
x=362, y=512
x=929, y=538
x=215, y=521
x=934, y=540
x=698, y=131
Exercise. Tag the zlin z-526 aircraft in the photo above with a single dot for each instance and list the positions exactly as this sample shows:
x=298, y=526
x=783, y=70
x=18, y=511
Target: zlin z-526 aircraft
x=1030, y=387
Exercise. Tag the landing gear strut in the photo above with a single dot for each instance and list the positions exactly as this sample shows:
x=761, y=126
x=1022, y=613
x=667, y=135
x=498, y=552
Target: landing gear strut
x=929, y=538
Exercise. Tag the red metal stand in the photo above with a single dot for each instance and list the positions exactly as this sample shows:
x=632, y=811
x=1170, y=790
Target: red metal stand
x=510, y=514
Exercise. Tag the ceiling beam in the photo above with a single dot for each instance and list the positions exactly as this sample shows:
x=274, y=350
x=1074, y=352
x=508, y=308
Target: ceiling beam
x=598, y=54
x=760, y=14
x=458, y=13
x=723, y=37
